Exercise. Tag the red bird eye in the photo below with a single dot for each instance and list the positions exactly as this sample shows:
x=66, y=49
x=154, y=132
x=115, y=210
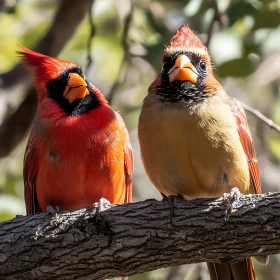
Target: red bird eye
x=164, y=66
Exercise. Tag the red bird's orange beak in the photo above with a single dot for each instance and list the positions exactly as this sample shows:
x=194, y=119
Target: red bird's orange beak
x=76, y=88
x=183, y=70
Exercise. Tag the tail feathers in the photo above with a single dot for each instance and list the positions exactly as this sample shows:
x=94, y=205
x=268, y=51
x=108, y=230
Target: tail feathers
x=243, y=270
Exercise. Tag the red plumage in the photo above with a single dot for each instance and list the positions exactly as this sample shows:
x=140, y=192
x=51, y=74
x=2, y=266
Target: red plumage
x=45, y=68
x=73, y=160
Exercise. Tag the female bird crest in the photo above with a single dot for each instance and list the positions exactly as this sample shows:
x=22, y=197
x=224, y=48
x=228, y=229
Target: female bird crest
x=186, y=40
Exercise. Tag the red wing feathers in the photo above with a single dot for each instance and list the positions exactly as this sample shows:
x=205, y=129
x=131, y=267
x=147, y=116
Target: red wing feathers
x=248, y=146
x=29, y=174
x=128, y=161
x=128, y=169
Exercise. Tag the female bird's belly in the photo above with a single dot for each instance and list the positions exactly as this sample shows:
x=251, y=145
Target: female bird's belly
x=192, y=154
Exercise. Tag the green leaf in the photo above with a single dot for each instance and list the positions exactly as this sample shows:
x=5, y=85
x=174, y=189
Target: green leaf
x=274, y=145
x=267, y=19
x=251, y=47
x=5, y=215
x=239, y=67
x=240, y=10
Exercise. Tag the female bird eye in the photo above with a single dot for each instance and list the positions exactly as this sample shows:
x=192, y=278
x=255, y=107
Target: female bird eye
x=202, y=65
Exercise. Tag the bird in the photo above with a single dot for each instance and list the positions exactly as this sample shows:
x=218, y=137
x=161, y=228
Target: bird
x=78, y=149
x=194, y=138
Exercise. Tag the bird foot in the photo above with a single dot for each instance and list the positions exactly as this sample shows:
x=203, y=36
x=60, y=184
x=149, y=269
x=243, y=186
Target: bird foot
x=53, y=209
x=231, y=200
x=102, y=205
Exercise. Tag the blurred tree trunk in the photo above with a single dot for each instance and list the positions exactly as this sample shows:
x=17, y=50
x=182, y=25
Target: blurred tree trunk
x=69, y=14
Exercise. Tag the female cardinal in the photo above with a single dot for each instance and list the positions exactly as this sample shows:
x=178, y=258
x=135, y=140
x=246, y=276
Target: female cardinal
x=78, y=149
x=194, y=138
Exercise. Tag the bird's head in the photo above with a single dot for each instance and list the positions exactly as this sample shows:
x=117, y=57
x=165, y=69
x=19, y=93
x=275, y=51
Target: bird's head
x=60, y=80
x=186, y=73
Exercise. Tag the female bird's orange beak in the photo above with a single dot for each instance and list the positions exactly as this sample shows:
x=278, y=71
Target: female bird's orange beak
x=76, y=88
x=183, y=70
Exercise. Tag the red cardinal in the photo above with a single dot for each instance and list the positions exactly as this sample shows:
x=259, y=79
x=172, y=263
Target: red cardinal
x=194, y=138
x=78, y=149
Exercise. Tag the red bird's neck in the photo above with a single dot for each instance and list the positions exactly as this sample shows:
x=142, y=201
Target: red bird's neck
x=52, y=121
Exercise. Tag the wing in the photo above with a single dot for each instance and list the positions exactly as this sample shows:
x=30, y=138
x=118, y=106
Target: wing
x=30, y=169
x=248, y=145
x=128, y=169
x=128, y=160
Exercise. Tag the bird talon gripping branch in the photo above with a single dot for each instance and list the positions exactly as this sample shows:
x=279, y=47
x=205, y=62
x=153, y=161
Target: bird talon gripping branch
x=102, y=205
x=53, y=209
x=231, y=199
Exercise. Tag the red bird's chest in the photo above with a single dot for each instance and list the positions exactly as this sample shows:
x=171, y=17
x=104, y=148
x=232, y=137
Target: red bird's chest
x=79, y=165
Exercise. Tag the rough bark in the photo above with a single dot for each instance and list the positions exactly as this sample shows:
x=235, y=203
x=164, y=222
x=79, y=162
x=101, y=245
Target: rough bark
x=135, y=238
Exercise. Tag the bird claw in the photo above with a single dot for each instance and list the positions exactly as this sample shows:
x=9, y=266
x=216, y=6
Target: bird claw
x=102, y=205
x=53, y=209
x=231, y=199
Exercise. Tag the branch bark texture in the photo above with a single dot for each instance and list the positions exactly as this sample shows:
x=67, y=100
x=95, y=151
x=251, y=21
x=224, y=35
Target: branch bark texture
x=135, y=238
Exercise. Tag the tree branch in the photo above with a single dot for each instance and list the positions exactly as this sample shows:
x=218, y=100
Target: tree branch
x=134, y=238
x=216, y=18
x=2, y=5
x=123, y=67
x=19, y=121
x=260, y=116
x=91, y=35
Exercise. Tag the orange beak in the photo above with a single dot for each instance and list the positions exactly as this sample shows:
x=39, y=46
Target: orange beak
x=76, y=88
x=183, y=70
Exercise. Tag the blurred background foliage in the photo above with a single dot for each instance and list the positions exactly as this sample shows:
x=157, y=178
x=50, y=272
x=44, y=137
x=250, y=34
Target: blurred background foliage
x=125, y=40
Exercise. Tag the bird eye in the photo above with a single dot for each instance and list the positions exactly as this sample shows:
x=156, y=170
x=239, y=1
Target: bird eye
x=202, y=65
x=164, y=65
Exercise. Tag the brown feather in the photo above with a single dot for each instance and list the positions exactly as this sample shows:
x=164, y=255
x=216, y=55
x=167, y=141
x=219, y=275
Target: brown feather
x=30, y=170
x=248, y=146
